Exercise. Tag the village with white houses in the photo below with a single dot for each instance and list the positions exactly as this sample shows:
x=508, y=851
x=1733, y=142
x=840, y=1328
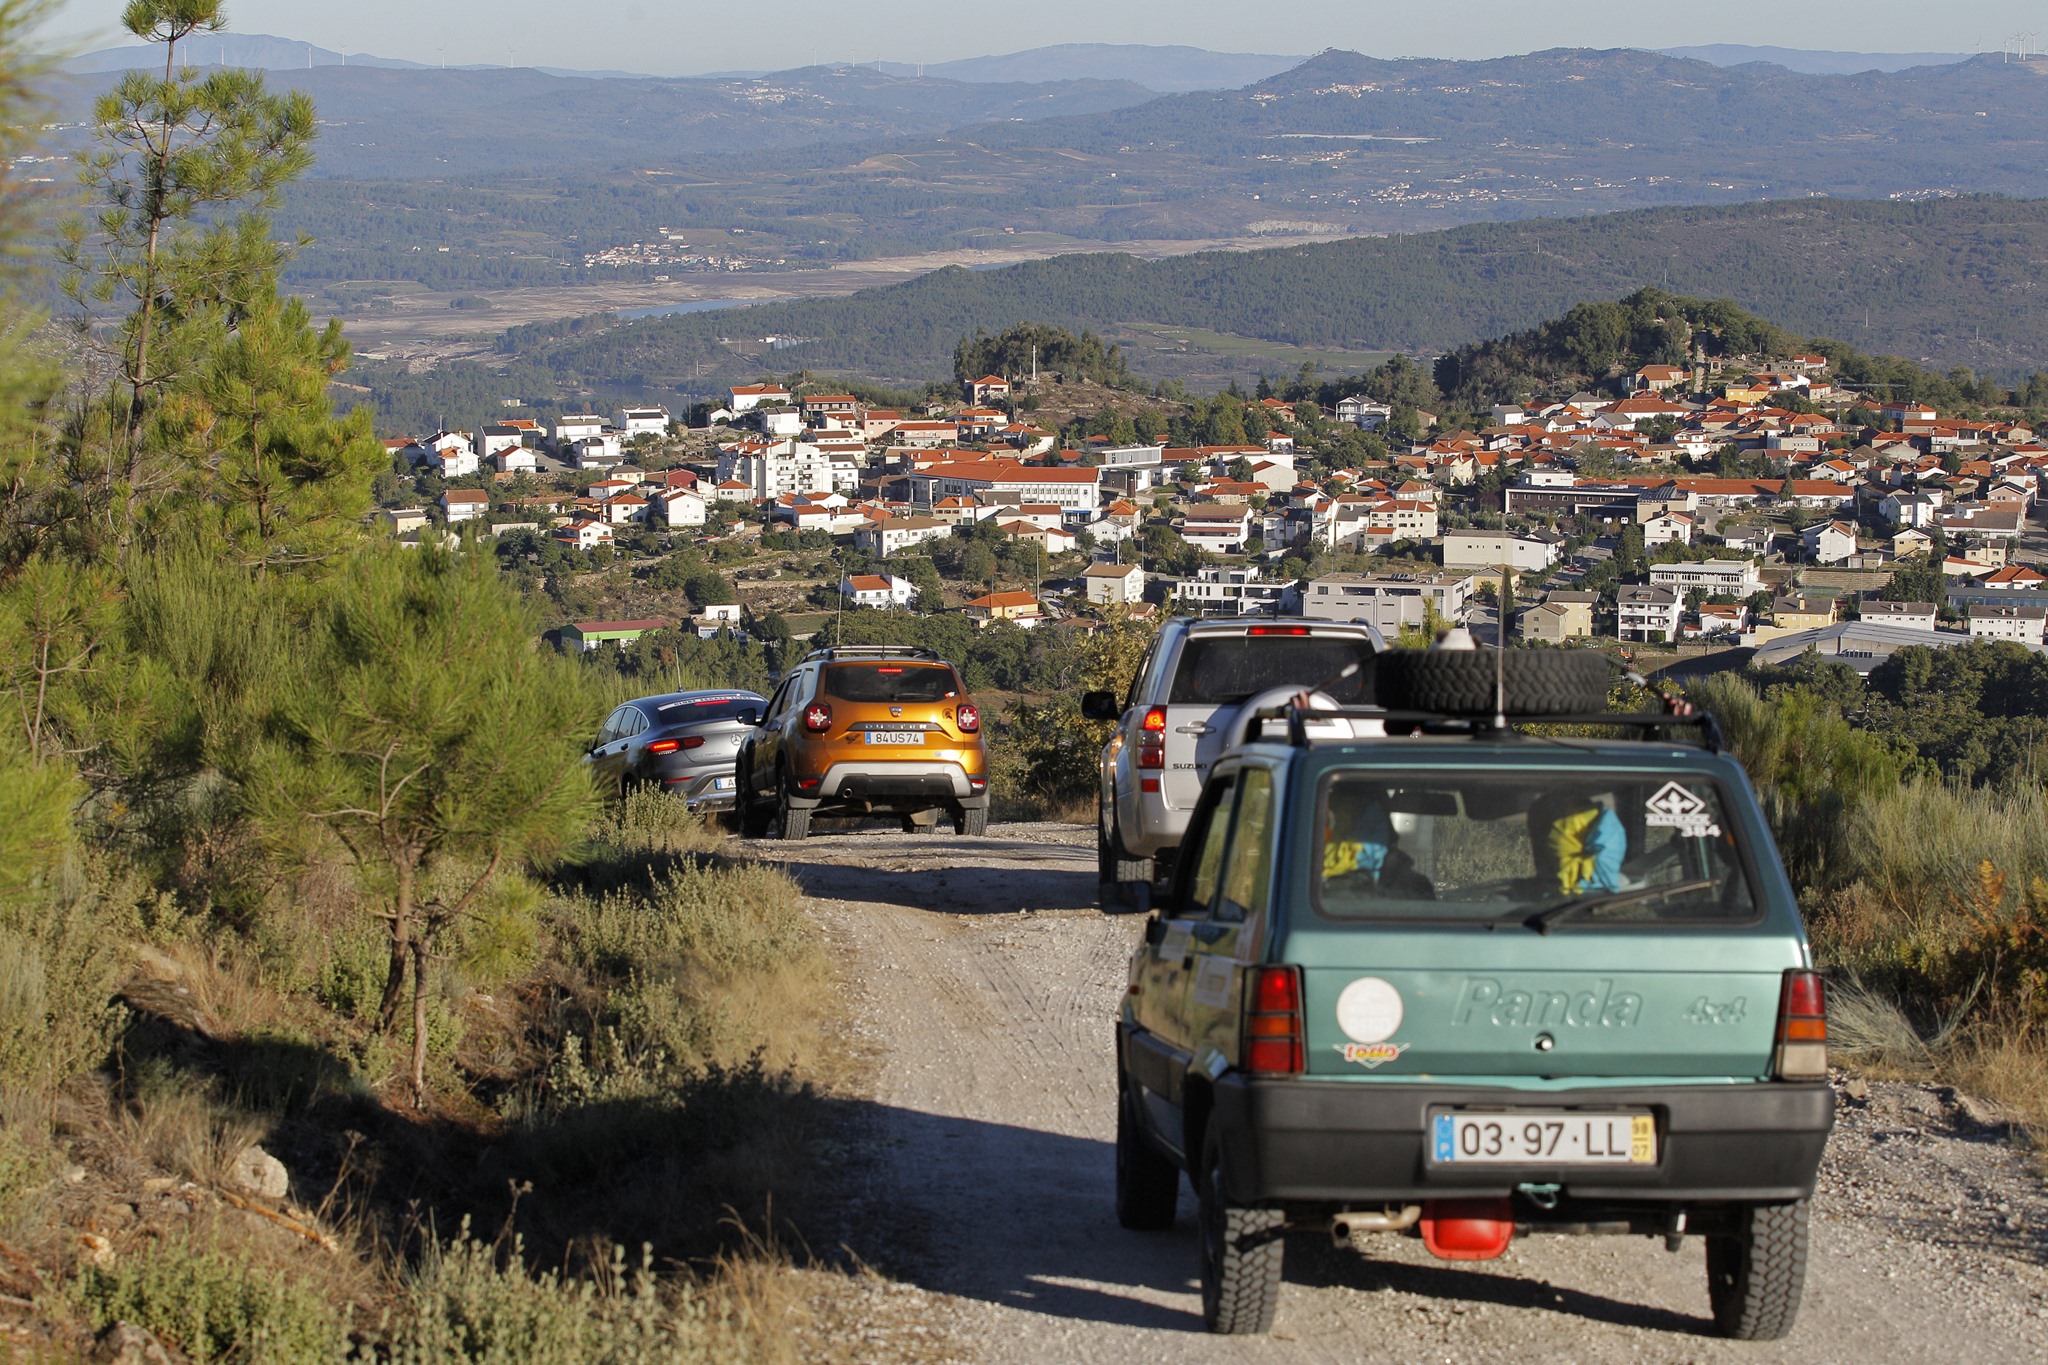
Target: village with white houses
x=1606, y=517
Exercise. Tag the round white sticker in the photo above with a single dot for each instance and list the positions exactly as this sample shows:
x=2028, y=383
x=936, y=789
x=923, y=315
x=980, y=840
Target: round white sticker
x=1369, y=1010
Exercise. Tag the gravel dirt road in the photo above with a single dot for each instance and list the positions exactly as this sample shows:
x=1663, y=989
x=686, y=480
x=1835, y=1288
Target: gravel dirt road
x=986, y=984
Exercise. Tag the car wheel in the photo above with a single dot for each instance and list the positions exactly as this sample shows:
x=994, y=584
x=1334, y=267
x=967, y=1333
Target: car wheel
x=795, y=821
x=971, y=821
x=754, y=814
x=1147, y=1184
x=1122, y=883
x=1242, y=1253
x=1545, y=682
x=1756, y=1271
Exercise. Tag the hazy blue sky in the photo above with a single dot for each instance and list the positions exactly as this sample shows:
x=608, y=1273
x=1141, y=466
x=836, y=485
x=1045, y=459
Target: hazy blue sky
x=671, y=37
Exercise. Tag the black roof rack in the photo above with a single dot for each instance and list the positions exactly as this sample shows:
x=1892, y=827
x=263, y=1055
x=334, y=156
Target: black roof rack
x=837, y=653
x=1711, y=737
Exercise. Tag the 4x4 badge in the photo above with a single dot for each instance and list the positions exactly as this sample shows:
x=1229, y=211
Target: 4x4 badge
x=1673, y=807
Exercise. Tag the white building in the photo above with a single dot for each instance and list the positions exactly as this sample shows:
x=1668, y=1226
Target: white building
x=747, y=397
x=1235, y=590
x=572, y=427
x=1220, y=529
x=1364, y=413
x=464, y=504
x=516, y=460
x=1482, y=550
x=677, y=507
x=583, y=534
x=891, y=534
x=643, y=422
x=2024, y=624
x=1714, y=577
x=1114, y=585
x=783, y=468
x=1389, y=601
x=1666, y=527
x=1829, y=542
x=1648, y=615
x=602, y=451
x=877, y=590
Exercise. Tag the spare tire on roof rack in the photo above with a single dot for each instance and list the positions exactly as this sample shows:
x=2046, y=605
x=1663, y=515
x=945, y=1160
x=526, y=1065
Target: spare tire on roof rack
x=1538, y=682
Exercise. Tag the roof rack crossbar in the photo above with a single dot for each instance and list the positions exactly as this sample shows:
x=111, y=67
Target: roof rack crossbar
x=1711, y=736
x=873, y=652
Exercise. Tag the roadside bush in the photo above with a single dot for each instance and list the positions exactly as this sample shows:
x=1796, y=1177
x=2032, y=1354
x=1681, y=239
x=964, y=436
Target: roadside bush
x=58, y=964
x=212, y=1306
x=463, y=1303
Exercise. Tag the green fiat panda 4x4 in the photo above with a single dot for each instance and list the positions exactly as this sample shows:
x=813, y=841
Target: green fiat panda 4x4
x=1475, y=977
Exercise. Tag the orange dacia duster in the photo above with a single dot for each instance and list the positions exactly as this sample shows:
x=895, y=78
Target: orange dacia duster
x=875, y=730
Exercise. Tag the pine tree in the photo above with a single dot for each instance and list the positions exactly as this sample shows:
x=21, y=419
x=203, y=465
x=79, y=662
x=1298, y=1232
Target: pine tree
x=177, y=248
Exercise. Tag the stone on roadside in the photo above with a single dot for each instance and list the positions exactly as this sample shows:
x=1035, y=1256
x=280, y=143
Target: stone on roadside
x=126, y=1344
x=258, y=1172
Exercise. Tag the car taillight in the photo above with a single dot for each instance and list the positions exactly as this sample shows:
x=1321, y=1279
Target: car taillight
x=1278, y=630
x=817, y=718
x=667, y=746
x=969, y=717
x=1272, y=1022
x=1152, y=739
x=1802, y=1046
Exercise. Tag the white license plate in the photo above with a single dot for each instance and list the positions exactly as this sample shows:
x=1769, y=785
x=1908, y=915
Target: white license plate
x=721, y=784
x=1544, y=1139
x=895, y=736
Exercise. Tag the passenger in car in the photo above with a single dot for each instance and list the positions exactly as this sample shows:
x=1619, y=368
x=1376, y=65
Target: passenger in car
x=1362, y=853
x=1578, y=843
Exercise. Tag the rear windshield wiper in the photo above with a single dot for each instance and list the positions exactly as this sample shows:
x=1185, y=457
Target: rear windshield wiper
x=1543, y=919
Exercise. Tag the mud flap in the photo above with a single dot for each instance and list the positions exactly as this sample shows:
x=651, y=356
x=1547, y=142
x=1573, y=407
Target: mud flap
x=1467, y=1229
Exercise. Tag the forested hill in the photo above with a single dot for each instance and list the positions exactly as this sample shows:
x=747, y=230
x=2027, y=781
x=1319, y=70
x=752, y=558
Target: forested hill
x=1950, y=282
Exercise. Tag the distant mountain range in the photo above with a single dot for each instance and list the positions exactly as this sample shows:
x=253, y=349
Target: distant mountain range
x=1815, y=63
x=1168, y=70
x=1160, y=69
x=1945, y=283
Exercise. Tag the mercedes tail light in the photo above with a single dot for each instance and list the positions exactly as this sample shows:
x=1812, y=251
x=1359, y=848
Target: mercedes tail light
x=1802, y=1045
x=666, y=746
x=817, y=718
x=969, y=717
x=1272, y=1042
x=1152, y=739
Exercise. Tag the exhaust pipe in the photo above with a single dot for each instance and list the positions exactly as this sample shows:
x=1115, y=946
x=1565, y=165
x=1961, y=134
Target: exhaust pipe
x=1353, y=1221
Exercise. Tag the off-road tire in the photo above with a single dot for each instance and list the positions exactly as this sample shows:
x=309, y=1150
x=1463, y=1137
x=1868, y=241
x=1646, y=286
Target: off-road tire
x=793, y=822
x=1755, y=1273
x=1147, y=1184
x=1116, y=874
x=752, y=813
x=1545, y=682
x=1242, y=1254
x=972, y=821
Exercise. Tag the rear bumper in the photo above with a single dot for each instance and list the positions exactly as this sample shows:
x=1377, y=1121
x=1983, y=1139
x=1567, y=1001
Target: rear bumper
x=1154, y=826
x=885, y=785
x=1313, y=1142
x=701, y=787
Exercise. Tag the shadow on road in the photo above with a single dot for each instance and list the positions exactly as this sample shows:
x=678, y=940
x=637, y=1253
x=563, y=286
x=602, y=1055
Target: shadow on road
x=1024, y=1218
x=922, y=878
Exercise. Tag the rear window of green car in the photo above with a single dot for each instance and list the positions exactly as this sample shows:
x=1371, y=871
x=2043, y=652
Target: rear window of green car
x=1575, y=848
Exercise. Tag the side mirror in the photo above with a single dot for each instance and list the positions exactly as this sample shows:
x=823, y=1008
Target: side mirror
x=1100, y=706
x=750, y=717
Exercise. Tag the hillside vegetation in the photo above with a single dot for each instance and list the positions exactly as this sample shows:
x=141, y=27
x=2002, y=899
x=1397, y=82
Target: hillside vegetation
x=1945, y=282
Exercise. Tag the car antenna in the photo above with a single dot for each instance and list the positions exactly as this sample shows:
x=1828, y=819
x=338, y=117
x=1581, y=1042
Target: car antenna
x=1500, y=652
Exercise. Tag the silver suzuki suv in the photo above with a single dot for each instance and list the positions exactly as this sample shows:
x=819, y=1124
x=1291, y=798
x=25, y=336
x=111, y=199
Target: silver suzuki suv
x=1199, y=678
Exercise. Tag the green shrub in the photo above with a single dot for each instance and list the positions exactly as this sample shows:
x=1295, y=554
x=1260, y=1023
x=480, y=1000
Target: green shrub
x=58, y=965
x=213, y=1306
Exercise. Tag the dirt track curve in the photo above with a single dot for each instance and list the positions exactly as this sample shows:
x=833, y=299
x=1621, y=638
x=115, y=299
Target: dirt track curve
x=986, y=982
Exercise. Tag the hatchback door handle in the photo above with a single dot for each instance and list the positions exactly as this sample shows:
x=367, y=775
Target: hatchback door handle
x=1197, y=730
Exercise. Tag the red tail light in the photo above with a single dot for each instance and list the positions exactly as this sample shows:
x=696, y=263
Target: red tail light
x=1152, y=739
x=1278, y=630
x=817, y=718
x=969, y=717
x=1802, y=1045
x=1272, y=1022
x=667, y=746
